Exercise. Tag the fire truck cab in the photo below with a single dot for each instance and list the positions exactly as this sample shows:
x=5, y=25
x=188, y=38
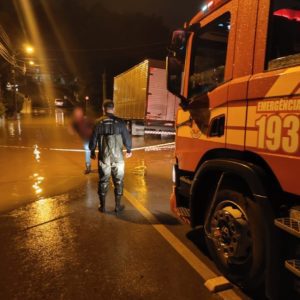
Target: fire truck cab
x=236, y=68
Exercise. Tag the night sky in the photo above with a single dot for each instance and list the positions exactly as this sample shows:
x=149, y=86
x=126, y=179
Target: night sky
x=98, y=35
x=174, y=12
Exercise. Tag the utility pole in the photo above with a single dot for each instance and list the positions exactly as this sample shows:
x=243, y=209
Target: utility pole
x=14, y=85
x=104, y=85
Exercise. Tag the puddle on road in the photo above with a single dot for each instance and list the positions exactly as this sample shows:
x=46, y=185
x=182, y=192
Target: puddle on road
x=37, y=153
x=32, y=172
x=38, y=180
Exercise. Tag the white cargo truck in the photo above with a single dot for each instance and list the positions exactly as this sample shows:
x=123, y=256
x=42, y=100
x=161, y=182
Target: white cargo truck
x=141, y=97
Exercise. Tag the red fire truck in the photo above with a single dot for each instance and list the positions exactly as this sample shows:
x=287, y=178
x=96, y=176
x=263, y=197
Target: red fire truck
x=236, y=68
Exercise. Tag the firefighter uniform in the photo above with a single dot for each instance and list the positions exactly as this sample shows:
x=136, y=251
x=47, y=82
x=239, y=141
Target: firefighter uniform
x=110, y=134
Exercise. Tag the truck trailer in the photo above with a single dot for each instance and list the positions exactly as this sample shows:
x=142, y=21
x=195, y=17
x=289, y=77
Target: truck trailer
x=141, y=97
x=236, y=69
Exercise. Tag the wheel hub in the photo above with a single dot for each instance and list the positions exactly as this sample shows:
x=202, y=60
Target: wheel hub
x=230, y=232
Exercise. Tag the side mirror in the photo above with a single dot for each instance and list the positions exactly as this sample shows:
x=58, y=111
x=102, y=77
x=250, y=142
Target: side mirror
x=175, y=69
x=175, y=62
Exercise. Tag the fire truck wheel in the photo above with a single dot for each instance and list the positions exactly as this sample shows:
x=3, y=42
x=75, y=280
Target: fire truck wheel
x=235, y=239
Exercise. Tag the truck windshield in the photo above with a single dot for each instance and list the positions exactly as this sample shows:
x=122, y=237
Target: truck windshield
x=209, y=56
x=284, y=34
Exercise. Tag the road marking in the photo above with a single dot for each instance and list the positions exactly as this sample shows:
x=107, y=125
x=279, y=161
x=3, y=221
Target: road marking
x=149, y=148
x=205, y=272
x=195, y=262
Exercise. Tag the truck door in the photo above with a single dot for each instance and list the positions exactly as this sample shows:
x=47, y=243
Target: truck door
x=210, y=56
x=273, y=124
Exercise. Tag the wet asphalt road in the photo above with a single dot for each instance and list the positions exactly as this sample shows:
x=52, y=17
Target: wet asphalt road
x=54, y=242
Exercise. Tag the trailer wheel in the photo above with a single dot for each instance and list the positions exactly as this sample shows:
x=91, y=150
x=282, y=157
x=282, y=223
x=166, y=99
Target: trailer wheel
x=234, y=235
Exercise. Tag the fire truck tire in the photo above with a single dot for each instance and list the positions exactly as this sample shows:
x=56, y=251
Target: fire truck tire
x=235, y=238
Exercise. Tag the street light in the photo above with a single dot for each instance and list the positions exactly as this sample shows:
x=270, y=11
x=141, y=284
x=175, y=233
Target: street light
x=29, y=49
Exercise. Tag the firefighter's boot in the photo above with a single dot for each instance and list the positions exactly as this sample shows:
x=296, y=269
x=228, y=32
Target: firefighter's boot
x=119, y=207
x=102, y=191
x=101, y=207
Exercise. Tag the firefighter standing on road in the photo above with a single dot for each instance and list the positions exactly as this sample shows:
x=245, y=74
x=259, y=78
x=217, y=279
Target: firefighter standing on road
x=110, y=134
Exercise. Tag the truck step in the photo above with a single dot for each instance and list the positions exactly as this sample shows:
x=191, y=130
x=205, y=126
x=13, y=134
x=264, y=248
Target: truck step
x=293, y=266
x=292, y=226
x=295, y=213
x=184, y=214
x=185, y=186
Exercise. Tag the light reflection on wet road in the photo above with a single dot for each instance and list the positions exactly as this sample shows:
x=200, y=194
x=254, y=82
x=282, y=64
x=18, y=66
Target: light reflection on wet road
x=58, y=246
x=38, y=158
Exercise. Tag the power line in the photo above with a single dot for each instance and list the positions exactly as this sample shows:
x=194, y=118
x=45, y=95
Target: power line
x=5, y=38
x=9, y=58
x=5, y=54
